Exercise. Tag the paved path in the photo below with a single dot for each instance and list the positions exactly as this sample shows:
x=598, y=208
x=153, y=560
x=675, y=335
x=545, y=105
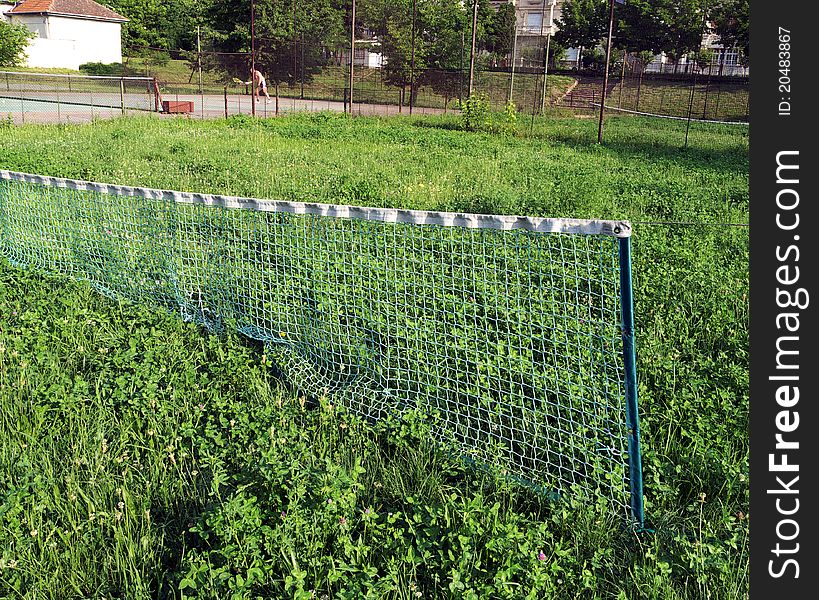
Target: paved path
x=77, y=108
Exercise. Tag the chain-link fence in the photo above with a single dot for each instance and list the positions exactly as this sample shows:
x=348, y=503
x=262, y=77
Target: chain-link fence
x=702, y=97
x=40, y=97
x=217, y=84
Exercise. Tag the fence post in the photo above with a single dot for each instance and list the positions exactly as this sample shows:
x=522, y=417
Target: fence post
x=226, y=103
x=122, y=95
x=630, y=374
x=690, y=108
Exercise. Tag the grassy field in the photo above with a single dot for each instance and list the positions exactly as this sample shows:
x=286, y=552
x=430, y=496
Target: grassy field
x=144, y=458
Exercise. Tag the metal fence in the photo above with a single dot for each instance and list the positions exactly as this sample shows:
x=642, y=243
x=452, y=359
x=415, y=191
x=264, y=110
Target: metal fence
x=39, y=97
x=702, y=97
x=182, y=86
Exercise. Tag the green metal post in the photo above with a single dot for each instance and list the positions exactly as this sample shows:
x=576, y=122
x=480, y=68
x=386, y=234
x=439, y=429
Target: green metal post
x=629, y=356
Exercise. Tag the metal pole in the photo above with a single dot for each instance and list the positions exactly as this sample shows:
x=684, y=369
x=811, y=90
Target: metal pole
x=690, y=108
x=606, y=73
x=514, y=53
x=352, y=54
x=122, y=95
x=463, y=45
x=546, y=52
x=545, y=71
x=472, y=50
x=295, y=47
x=622, y=79
x=199, y=58
x=635, y=467
x=226, y=103
x=301, y=73
x=253, y=57
x=412, y=56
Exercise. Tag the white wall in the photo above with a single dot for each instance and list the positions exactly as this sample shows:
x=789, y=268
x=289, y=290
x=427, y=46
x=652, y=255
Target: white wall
x=59, y=54
x=97, y=41
x=36, y=23
x=67, y=43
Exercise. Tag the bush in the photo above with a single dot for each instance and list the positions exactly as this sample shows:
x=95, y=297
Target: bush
x=477, y=115
x=594, y=60
x=98, y=68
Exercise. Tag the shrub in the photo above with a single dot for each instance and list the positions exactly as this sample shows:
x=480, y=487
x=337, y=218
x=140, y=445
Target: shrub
x=98, y=68
x=477, y=115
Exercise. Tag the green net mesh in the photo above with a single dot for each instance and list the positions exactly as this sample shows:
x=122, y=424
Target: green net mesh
x=504, y=331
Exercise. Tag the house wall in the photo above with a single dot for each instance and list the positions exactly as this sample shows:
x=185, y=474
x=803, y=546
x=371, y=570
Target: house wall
x=97, y=41
x=36, y=23
x=64, y=42
x=363, y=58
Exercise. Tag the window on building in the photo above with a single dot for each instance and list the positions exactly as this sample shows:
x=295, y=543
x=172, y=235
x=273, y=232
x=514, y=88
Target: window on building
x=534, y=20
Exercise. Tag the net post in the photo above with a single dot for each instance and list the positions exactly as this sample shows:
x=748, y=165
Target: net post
x=157, y=97
x=630, y=373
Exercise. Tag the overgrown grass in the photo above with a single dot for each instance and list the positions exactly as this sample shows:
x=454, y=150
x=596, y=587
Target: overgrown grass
x=110, y=411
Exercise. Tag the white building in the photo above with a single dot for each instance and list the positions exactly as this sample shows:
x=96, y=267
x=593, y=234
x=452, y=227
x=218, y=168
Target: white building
x=68, y=33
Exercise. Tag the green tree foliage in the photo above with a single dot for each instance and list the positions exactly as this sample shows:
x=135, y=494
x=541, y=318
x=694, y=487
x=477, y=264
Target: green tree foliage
x=443, y=34
x=13, y=42
x=583, y=23
x=158, y=24
x=730, y=21
x=500, y=30
x=684, y=22
x=442, y=30
x=671, y=26
x=640, y=29
x=284, y=29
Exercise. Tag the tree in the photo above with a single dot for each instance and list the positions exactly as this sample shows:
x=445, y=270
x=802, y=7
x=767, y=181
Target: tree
x=158, y=24
x=500, y=30
x=582, y=23
x=730, y=20
x=13, y=43
x=685, y=20
x=315, y=24
x=641, y=28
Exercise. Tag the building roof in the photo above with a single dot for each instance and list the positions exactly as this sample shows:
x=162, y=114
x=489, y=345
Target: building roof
x=87, y=9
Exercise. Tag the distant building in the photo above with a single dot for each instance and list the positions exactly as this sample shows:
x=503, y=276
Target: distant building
x=537, y=19
x=68, y=32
